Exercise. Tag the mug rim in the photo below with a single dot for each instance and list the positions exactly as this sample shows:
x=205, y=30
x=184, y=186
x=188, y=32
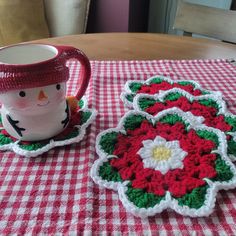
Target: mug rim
x=33, y=63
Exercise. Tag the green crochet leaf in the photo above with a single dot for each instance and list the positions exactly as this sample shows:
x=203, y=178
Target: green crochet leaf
x=209, y=136
x=5, y=140
x=231, y=147
x=172, y=119
x=185, y=83
x=209, y=103
x=231, y=121
x=74, y=133
x=108, y=141
x=107, y=172
x=85, y=116
x=173, y=96
x=204, y=92
x=32, y=146
x=156, y=80
x=81, y=103
x=224, y=172
x=133, y=121
x=195, y=199
x=130, y=97
x=142, y=199
x=135, y=86
x=145, y=103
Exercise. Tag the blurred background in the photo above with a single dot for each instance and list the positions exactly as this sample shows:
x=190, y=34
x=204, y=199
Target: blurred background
x=25, y=20
x=156, y=16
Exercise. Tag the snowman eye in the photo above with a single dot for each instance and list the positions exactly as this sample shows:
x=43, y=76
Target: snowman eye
x=58, y=86
x=22, y=94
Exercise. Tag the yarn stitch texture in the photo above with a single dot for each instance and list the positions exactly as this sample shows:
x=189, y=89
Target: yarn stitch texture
x=210, y=107
x=81, y=118
x=167, y=161
x=159, y=83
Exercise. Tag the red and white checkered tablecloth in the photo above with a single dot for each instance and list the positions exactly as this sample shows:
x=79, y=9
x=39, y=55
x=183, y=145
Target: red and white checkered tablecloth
x=54, y=194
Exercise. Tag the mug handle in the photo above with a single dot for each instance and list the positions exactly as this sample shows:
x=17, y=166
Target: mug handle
x=68, y=53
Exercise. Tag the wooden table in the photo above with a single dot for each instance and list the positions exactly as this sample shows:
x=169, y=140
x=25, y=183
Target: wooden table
x=145, y=46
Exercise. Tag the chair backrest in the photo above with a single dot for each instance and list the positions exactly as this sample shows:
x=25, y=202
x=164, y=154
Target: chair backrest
x=208, y=21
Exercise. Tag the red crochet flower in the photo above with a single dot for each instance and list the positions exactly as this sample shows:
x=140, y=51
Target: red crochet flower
x=199, y=162
x=167, y=161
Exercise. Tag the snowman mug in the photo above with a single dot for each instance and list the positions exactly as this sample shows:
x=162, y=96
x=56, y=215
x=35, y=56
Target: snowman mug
x=33, y=89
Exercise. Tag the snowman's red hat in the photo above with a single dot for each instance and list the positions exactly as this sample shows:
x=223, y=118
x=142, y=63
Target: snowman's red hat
x=17, y=77
x=43, y=69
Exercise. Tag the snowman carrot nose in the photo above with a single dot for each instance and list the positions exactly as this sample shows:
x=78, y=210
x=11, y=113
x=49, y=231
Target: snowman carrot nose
x=42, y=96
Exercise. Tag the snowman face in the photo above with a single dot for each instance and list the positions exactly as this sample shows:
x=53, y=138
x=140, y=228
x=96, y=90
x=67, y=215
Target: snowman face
x=34, y=101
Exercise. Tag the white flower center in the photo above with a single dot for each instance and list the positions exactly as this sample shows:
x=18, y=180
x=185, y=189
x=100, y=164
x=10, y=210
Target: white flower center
x=162, y=155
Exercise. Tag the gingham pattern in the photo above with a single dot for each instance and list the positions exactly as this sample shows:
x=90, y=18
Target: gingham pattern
x=53, y=193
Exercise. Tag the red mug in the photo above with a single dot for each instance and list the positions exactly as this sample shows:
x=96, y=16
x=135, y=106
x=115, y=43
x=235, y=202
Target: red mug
x=33, y=89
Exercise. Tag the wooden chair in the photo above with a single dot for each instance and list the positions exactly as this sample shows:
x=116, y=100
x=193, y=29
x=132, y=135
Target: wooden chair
x=208, y=21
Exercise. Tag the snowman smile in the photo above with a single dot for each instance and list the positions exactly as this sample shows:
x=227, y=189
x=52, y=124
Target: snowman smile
x=43, y=104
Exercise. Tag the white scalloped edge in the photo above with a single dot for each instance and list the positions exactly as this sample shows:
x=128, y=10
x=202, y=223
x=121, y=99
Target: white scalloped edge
x=127, y=90
x=52, y=144
x=215, y=97
x=168, y=201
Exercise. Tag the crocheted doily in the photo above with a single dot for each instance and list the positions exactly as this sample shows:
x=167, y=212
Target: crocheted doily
x=210, y=107
x=167, y=161
x=75, y=131
x=159, y=83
